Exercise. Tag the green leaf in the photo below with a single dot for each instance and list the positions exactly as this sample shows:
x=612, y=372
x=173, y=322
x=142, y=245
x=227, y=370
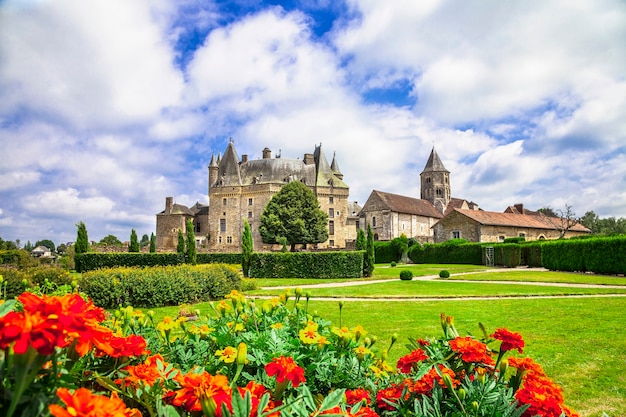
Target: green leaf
x=332, y=400
x=6, y=307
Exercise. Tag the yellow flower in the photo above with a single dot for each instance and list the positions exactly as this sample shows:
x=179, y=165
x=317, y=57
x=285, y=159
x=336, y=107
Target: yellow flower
x=203, y=330
x=309, y=335
x=237, y=327
x=359, y=332
x=361, y=351
x=167, y=324
x=277, y=326
x=343, y=333
x=227, y=355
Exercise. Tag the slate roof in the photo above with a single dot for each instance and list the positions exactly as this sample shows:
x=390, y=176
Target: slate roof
x=408, y=205
x=491, y=218
x=434, y=164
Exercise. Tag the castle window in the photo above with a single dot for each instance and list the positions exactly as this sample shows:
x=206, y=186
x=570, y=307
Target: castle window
x=331, y=200
x=427, y=180
x=500, y=238
x=224, y=201
x=219, y=239
x=331, y=212
x=403, y=225
x=229, y=239
x=331, y=243
x=374, y=221
x=331, y=227
x=249, y=201
x=249, y=214
x=456, y=234
x=222, y=225
x=197, y=227
x=522, y=235
x=438, y=191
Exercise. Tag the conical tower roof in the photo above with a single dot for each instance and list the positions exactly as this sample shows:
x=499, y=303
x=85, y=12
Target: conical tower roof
x=434, y=164
x=325, y=175
x=334, y=166
x=229, y=167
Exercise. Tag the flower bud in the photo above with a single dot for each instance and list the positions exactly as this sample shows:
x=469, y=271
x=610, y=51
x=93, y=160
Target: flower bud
x=474, y=405
x=340, y=305
x=504, y=365
x=25, y=283
x=242, y=354
x=1, y=279
x=447, y=380
x=298, y=292
x=461, y=393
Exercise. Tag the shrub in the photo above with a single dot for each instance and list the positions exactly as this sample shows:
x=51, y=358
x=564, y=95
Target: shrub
x=444, y=274
x=454, y=251
x=35, y=278
x=159, y=286
x=393, y=263
x=307, y=264
x=406, y=275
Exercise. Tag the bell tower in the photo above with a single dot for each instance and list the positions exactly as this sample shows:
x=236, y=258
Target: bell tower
x=435, y=183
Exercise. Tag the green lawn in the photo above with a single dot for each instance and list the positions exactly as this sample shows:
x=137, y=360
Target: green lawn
x=543, y=276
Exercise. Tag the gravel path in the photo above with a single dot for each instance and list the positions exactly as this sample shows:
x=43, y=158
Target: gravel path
x=432, y=277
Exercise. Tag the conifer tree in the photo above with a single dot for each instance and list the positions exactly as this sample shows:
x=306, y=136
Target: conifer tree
x=246, y=248
x=361, y=240
x=368, y=265
x=191, y=244
x=180, y=247
x=134, y=242
x=152, y=243
x=82, y=241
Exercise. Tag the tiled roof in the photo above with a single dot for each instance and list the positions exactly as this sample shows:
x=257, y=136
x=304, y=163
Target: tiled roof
x=408, y=205
x=492, y=218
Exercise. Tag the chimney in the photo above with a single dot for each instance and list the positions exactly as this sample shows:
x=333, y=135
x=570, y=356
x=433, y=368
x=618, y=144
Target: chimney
x=244, y=158
x=309, y=159
x=519, y=207
x=267, y=154
x=169, y=203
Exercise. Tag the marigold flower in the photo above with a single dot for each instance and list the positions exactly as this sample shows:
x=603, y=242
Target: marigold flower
x=427, y=382
x=343, y=332
x=510, y=340
x=83, y=403
x=405, y=364
x=196, y=388
x=147, y=373
x=526, y=364
x=285, y=369
x=228, y=354
x=309, y=335
x=354, y=396
x=471, y=350
x=390, y=394
x=277, y=326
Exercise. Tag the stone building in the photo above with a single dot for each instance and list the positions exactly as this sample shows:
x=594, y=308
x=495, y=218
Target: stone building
x=488, y=226
x=391, y=215
x=240, y=189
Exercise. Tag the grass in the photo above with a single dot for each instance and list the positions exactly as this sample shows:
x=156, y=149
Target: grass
x=578, y=341
x=547, y=276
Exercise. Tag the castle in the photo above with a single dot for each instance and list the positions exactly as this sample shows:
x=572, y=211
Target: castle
x=240, y=189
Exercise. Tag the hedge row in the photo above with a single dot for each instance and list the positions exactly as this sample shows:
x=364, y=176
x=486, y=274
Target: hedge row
x=307, y=265
x=602, y=255
x=16, y=279
x=91, y=260
x=447, y=253
x=159, y=286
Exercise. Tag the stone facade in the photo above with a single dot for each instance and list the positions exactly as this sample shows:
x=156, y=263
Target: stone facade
x=487, y=226
x=241, y=188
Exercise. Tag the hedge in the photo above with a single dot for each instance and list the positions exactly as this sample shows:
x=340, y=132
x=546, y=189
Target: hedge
x=219, y=258
x=92, y=260
x=507, y=254
x=602, y=255
x=35, y=276
x=307, y=264
x=447, y=253
x=159, y=286
x=386, y=252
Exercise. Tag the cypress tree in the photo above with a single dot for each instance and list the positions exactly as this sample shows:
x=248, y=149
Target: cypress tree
x=191, y=244
x=361, y=240
x=180, y=248
x=246, y=248
x=152, y=243
x=82, y=241
x=368, y=265
x=134, y=243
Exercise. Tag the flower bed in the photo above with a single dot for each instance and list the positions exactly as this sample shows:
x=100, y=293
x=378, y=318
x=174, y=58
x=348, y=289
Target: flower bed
x=63, y=356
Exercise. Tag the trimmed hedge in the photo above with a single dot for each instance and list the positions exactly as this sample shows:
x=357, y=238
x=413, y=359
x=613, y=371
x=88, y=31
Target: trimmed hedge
x=92, y=260
x=602, y=255
x=447, y=253
x=159, y=286
x=307, y=264
x=35, y=276
x=386, y=252
x=507, y=254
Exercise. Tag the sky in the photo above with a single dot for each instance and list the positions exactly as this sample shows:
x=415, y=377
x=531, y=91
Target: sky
x=109, y=106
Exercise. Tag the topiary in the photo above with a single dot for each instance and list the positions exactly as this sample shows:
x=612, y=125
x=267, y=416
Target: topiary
x=444, y=274
x=406, y=275
x=393, y=263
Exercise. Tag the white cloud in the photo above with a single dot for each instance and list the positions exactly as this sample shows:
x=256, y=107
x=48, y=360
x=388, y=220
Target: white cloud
x=17, y=179
x=68, y=203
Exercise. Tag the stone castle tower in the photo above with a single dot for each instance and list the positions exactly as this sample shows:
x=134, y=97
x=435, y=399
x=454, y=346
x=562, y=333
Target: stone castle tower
x=435, y=183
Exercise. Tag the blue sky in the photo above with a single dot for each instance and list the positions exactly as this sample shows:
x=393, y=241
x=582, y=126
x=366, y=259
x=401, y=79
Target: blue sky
x=110, y=106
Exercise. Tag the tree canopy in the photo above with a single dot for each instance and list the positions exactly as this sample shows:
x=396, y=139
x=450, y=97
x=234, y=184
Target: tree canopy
x=110, y=240
x=47, y=243
x=294, y=214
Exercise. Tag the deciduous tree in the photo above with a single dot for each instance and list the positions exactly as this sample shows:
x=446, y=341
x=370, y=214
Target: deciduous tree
x=110, y=240
x=47, y=243
x=294, y=214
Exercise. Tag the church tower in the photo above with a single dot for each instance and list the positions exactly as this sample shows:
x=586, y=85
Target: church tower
x=435, y=183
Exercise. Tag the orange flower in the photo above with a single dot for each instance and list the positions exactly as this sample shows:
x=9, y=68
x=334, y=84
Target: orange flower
x=256, y=392
x=196, y=388
x=390, y=394
x=427, y=382
x=285, y=369
x=405, y=363
x=354, y=396
x=83, y=403
x=510, y=340
x=471, y=350
x=525, y=364
x=147, y=373
x=227, y=355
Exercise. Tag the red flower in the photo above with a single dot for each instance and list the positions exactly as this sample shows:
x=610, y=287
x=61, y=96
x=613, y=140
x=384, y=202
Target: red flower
x=256, y=392
x=405, y=363
x=426, y=383
x=471, y=350
x=201, y=387
x=510, y=340
x=354, y=396
x=285, y=368
x=147, y=373
x=391, y=394
x=83, y=403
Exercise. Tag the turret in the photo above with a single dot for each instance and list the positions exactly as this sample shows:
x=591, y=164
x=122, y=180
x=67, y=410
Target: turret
x=435, y=183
